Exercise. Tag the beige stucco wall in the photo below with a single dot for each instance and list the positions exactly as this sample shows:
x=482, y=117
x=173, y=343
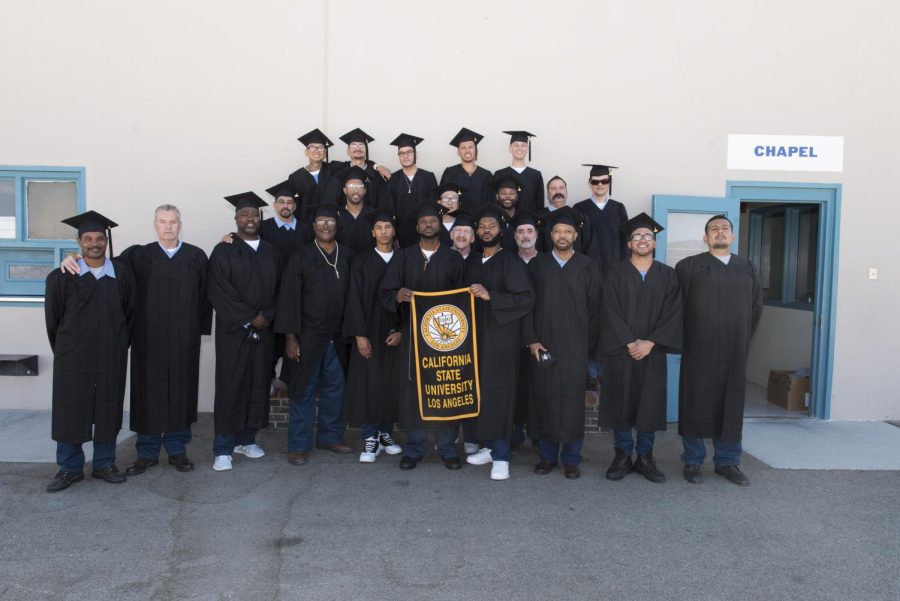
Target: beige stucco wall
x=185, y=102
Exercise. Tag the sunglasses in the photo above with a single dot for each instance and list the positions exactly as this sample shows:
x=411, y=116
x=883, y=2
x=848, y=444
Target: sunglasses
x=599, y=181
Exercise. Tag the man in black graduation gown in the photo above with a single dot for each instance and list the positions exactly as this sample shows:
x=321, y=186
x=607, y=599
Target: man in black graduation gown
x=449, y=196
x=475, y=180
x=409, y=186
x=641, y=321
x=354, y=231
x=242, y=283
x=722, y=306
x=525, y=227
x=506, y=189
x=503, y=296
x=311, y=180
x=374, y=373
x=310, y=314
x=427, y=266
x=89, y=322
x=564, y=327
x=377, y=194
x=557, y=197
x=531, y=193
x=462, y=233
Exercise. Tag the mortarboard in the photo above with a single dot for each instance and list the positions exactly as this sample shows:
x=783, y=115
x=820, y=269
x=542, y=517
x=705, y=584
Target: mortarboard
x=284, y=188
x=523, y=217
x=638, y=221
x=490, y=209
x=507, y=180
x=246, y=199
x=380, y=215
x=565, y=215
x=463, y=219
x=466, y=135
x=316, y=137
x=521, y=136
x=426, y=208
x=92, y=221
x=407, y=140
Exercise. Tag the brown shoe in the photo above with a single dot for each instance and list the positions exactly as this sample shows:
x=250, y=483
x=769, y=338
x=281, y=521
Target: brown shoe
x=297, y=458
x=543, y=467
x=338, y=447
x=181, y=462
x=572, y=472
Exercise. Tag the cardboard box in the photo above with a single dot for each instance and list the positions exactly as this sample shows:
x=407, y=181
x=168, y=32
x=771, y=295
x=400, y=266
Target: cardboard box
x=787, y=389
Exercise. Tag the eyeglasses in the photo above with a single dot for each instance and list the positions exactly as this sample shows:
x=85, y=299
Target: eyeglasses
x=354, y=186
x=639, y=237
x=315, y=148
x=406, y=153
x=325, y=222
x=599, y=181
x=450, y=198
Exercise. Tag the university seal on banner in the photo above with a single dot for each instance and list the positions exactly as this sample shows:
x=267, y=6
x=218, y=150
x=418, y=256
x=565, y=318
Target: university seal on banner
x=444, y=328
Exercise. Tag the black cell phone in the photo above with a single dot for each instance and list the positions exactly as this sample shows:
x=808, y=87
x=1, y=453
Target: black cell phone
x=545, y=359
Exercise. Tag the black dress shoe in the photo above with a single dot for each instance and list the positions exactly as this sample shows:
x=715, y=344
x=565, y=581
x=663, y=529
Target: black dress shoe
x=408, y=463
x=181, y=462
x=571, y=471
x=646, y=466
x=110, y=474
x=734, y=475
x=543, y=467
x=621, y=466
x=64, y=480
x=693, y=473
x=338, y=447
x=140, y=466
x=452, y=463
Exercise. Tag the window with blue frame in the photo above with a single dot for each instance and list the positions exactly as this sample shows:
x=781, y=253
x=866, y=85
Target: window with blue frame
x=33, y=200
x=783, y=244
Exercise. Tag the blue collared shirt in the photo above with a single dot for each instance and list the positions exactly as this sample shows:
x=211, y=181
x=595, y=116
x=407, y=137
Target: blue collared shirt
x=562, y=262
x=106, y=270
x=290, y=225
x=170, y=251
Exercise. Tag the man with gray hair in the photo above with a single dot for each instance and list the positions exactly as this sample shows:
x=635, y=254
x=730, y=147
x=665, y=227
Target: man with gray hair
x=171, y=313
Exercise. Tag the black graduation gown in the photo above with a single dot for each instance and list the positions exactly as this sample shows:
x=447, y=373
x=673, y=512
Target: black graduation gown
x=377, y=193
x=531, y=196
x=405, y=195
x=355, y=232
x=544, y=243
x=722, y=307
x=311, y=307
x=284, y=240
x=601, y=237
x=172, y=311
x=566, y=320
x=371, y=392
x=512, y=297
x=444, y=271
x=310, y=190
x=633, y=394
x=89, y=324
x=242, y=283
x=477, y=186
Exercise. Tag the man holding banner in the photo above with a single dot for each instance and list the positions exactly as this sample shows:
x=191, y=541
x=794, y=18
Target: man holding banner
x=429, y=267
x=499, y=282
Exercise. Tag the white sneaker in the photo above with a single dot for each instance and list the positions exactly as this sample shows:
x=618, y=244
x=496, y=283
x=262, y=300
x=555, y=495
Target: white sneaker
x=253, y=451
x=500, y=470
x=470, y=447
x=370, y=451
x=388, y=444
x=482, y=457
x=222, y=463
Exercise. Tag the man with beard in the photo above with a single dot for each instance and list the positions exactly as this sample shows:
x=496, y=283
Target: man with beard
x=722, y=306
x=171, y=313
x=525, y=227
x=641, y=321
x=409, y=186
x=475, y=180
x=310, y=315
x=424, y=267
x=377, y=195
x=89, y=322
x=531, y=194
x=354, y=230
x=462, y=233
x=375, y=362
x=507, y=188
x=502, y=289
x=309, y=181
x=242, y=283
x=557, y=196
x=564, y=326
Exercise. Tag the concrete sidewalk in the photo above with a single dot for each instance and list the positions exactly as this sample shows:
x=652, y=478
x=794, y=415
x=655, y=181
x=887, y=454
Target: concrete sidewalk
x=338, y=529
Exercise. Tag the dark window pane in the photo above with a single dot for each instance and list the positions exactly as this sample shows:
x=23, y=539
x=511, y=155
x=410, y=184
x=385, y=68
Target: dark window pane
x=807, y=247
x=47, y=203
x=772, y=256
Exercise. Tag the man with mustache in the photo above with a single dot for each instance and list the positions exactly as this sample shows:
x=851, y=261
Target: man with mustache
x=377, y=195
x=557, y=196
x=354, y=231
x=722, y=305
x=526, y=226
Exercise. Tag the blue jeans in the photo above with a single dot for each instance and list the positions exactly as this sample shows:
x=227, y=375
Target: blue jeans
x=571, y=452
x=371, y=430
x=500, y=449
x=726, y=453
x=224, y=444
x=70, y=456
x=625, y=441
x=148, y=445
x=417, y=443
x=594, y=369
x=328, y=378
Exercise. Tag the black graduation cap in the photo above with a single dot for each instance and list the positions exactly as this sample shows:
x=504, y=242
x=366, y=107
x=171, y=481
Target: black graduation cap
x=521, y=136
x=284, y=188
x=380, y=215
x=357, y=135
x=323, y=209
x=466, y=135
x=490, y=209
x=316, y=137
x=449, y=187
x=507, y=180
x=463, y=218
x=353, y=172
x=523, y=217
x=92, y=221
x=407, y=140
x=566, y=215
x=598, y=170
x=642, y=220
x=246, y=199
x=426, y=208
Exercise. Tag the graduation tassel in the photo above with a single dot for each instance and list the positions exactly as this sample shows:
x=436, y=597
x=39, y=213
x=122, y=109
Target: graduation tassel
x=529, y=150
x=109, y=241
